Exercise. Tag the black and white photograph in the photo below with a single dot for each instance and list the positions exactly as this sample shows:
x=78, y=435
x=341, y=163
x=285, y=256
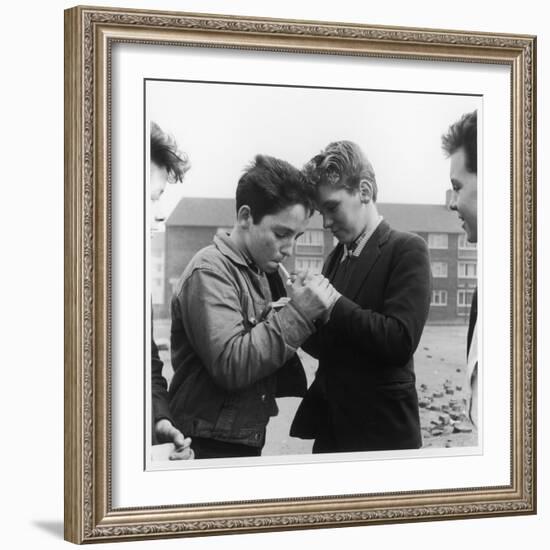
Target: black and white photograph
x=312, y=273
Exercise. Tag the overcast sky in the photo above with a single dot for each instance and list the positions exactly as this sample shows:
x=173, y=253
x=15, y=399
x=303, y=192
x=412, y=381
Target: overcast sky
x=223, y=126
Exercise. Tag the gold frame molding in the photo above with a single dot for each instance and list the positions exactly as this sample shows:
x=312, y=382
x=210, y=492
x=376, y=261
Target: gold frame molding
x=89, y=34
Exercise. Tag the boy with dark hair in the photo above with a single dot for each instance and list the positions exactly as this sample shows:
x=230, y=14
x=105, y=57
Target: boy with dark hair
x=232, y=351
x=460, y=145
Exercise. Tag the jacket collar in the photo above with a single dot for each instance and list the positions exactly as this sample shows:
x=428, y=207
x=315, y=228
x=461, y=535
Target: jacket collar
x=224, y=243
x=360, y=242
x=364, y=263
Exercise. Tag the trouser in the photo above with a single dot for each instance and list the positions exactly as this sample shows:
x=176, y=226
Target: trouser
x=213, y=448
x=325, y=443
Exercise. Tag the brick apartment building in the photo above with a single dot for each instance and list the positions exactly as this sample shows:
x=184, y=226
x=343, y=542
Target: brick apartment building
x=195, y=221
x=453, y=258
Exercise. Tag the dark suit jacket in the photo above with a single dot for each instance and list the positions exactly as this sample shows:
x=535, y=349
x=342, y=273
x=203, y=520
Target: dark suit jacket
x=364, y=392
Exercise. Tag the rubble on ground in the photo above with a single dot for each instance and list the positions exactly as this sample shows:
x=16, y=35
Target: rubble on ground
x=443, y=412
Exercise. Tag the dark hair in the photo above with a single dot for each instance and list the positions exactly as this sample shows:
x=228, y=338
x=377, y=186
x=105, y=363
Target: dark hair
x=270, y=185
x=165, y=153
x=463, y=133
x=341, y=164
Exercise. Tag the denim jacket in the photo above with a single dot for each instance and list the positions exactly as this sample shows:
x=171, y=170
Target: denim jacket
x=227, y=346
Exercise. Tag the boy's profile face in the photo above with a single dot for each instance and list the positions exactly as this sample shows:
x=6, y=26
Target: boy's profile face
x=464, y=197
x=158, y=181
x=159, y=178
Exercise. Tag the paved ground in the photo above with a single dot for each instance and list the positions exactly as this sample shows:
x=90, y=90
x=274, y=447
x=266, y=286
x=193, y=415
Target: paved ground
x=439, y=365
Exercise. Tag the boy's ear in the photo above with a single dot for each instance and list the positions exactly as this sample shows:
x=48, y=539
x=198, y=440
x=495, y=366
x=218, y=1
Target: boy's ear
x=244, y=217
x=365, y=191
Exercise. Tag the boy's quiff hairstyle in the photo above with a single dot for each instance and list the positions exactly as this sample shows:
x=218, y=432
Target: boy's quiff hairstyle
x=463, y=133
x=270, y=185
x=165, y=153
x=341, y=164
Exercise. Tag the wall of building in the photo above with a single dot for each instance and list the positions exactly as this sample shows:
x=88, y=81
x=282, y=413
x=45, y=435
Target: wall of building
x=451, y=312
x=317, y=254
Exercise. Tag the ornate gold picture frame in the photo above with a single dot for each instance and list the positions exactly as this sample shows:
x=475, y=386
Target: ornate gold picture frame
x=91, y=34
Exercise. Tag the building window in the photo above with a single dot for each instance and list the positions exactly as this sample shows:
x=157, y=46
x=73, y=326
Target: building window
x=311, y=236
x=439, y=269
x=438, y=240
x=314, y=265
x=439, y=298
x=311, y=242
x=467, y=270
x=463, y=243
x=464, y=297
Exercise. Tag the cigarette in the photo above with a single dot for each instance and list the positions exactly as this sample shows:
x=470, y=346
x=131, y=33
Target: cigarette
x=285, y=273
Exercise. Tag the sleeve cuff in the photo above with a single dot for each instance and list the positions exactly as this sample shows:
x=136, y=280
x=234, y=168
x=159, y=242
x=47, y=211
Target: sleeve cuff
x=295, y=326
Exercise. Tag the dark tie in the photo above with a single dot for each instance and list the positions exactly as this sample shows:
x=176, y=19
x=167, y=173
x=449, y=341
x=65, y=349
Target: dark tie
x=344, y=270
x=473, y=319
